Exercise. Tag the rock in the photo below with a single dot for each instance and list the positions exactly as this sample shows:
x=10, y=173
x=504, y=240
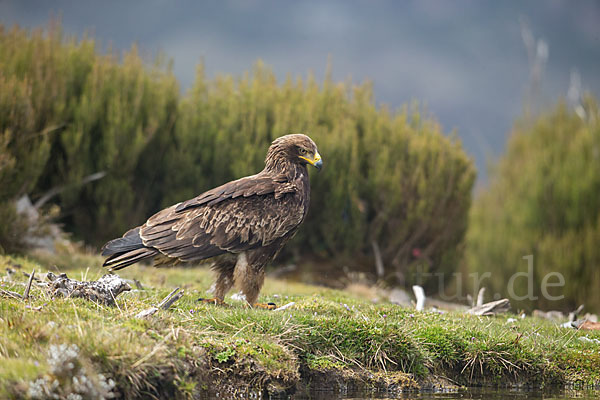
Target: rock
x=41, y=232
x=400, y=297
x=590, y=317
x=551, y=315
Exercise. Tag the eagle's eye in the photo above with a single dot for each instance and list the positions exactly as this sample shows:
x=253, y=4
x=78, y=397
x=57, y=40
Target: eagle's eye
x=303, y=151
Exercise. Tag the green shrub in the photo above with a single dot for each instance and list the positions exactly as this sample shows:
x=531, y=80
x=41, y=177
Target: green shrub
x=543, y=200
x=24, y=140
x=67, y=112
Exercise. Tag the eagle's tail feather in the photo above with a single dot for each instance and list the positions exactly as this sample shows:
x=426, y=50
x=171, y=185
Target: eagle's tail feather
x=131, y=240
x=122, y=260
x=126, y=250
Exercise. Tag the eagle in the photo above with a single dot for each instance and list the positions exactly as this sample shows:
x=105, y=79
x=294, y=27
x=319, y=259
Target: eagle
x=240, y=226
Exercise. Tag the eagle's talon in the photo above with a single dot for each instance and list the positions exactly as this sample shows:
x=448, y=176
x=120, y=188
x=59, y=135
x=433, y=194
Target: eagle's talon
x=265, y=306
x=214, y=300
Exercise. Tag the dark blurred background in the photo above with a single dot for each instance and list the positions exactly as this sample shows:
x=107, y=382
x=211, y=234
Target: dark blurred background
x=465, y=60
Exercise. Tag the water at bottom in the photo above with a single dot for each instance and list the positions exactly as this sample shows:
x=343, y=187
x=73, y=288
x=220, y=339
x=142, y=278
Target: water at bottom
x=471, y=393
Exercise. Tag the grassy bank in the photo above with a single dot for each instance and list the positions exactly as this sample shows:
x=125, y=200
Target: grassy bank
x=328, y=339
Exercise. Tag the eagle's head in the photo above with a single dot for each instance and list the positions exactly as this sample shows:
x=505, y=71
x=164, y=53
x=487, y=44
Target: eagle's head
x=296, y=148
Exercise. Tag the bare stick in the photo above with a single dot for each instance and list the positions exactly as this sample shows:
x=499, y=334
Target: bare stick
x=285, y=307
x=138, y=284
x=11, y=294
x=26, y=294
x=28, y=275
x=573, y=314
x=164, y=301
x=166, y=304
x=480, y=296
x=147, y=312
x=491, y=308
x=58, y=189
x=420, y=295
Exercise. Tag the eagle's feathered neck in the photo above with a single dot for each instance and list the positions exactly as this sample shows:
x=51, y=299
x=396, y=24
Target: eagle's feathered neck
x=278, y=162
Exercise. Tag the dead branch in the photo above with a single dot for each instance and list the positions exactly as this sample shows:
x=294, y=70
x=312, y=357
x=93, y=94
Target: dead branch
x=480, y=297
x=138, y=284
x=146, y=313
x=27, y=275
x=164, y=304
x=8, y=293
x=286, y=306
x=28, y=288
x=170, y=299
x=491, y=308
x=58, y=189
x=420, y=295
x=573, y=314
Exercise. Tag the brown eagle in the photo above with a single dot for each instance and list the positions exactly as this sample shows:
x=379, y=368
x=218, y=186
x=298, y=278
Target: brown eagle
x=241, y=225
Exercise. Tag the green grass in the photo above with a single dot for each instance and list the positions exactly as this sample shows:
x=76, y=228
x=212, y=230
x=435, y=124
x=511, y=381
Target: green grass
x=194, y=347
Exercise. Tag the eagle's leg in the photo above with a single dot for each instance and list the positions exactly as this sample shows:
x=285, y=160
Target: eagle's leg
x=224, y=270
x=224, y=281
x=249, y=278
x=251, y=283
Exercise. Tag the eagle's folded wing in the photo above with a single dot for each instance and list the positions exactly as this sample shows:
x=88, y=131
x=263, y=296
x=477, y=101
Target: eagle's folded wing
x=238, y=216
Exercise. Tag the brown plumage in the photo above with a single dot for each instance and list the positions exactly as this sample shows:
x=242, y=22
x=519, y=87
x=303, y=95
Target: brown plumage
x=242, y=224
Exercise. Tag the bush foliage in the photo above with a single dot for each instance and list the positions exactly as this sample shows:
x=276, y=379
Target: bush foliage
x=544, y=200
x=68, y=111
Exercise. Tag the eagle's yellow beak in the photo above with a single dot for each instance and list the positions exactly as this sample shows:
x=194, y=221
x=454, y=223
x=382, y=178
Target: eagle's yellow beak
x=316, y=161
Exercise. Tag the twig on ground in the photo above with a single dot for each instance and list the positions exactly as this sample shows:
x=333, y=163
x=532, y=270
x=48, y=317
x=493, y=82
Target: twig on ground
x=138, y=284
x=420, y=295
x=480, y=297
x=28, y=275
x=286, y=306
x=28, y=288
x=8, y=293
x=164, y=304
x=491, y=308
x=573, y=314
x=170, y=299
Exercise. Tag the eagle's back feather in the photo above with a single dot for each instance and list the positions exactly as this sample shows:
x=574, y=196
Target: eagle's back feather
x=238, y=216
